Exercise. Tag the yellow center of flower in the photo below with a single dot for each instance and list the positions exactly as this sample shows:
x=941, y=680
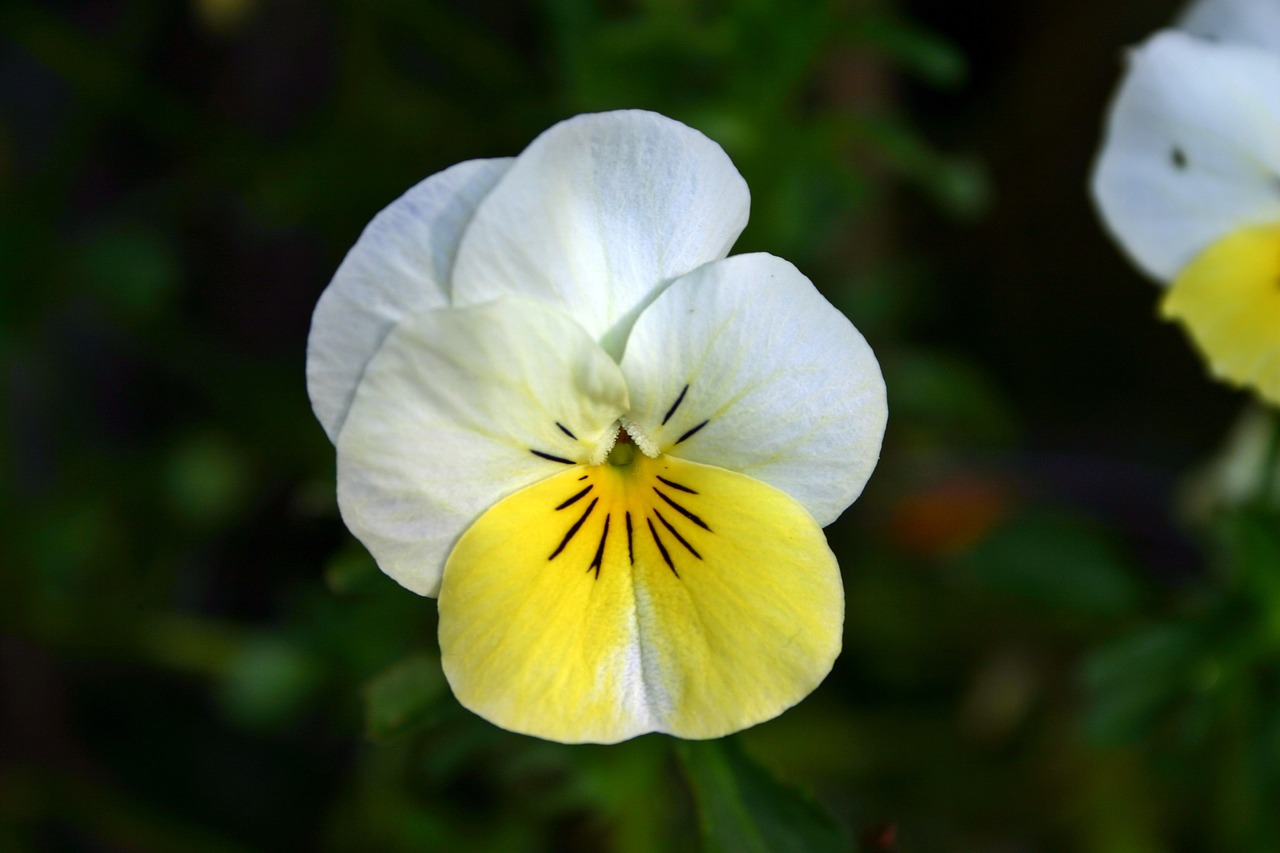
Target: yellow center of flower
x=1228, y=299
x=644, y=594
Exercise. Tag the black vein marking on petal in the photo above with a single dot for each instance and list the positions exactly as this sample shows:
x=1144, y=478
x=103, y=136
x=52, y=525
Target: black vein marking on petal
x=689, y=433
x=572, y=530
x=662, y=549
x=671, y=411
x=583, y=477
x=676, y=533
x=677, y=486
x=683, y=511
x=551, y=458
x=631, y=554
x=573, y=500
x=599, y=558
x=1178, y=157
x=564, y=429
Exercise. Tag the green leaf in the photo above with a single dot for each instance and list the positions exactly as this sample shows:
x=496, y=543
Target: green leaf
x=954, y=400
x=1251, y=537
x=958, y=184
x=351, y=571
x=1057, y=561
x=1136, y=679
x=207, y=479
x=268, y=681
x=403, y=697
x=133, y=269
x=922, y=53
x=742, y=808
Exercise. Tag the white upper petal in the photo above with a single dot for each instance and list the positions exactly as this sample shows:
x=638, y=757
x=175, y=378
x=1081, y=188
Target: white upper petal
x=790, y=391
x=450, y=417
x=598, y=213
x=399, y=265
x=1191, y=150
x=1254, y=22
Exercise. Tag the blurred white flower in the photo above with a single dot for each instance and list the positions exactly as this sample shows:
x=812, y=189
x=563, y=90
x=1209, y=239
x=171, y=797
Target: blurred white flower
x=1249, y=22
x=1188, y=181
x=1245, y=470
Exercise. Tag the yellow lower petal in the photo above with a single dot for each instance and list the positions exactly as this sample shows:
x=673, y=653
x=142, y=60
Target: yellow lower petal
x=1228, y=299
x=660, y=595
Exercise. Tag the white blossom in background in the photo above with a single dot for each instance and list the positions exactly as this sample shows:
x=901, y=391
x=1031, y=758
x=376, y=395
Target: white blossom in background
x=1188, y=181
x=1247, y=22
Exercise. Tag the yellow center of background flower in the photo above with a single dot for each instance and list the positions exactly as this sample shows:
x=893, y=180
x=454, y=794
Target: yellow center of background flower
x=1228, y=299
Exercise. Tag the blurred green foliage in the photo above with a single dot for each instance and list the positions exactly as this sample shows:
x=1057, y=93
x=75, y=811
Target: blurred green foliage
x=196, y=656
x=742, y=808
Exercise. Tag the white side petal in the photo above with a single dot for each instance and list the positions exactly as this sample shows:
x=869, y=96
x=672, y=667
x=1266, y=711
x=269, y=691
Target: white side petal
x=399, y=265
x=1253, y=22
x=598, y=213
x=1191, y=150
x=788, y=389
x=451, y=417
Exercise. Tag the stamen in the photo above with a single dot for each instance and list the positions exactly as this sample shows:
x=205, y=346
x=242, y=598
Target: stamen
x=642, y=441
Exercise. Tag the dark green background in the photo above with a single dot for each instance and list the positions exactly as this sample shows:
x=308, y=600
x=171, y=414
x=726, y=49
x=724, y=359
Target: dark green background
x=1041, y=652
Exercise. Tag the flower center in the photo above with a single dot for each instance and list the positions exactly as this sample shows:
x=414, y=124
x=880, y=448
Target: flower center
x=625, y=441
x=623, y=450
x=636, y=496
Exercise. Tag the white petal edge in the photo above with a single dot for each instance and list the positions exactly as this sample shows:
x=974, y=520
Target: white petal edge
x=450, y=418
x=598, y=214
x=1252, y=22
x=399, y=265
x=1191, y=149
x=790, y=391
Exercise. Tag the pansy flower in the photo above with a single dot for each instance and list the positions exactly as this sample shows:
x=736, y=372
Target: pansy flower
x=1251, y=22
x=606, y=447
x=1188, y=181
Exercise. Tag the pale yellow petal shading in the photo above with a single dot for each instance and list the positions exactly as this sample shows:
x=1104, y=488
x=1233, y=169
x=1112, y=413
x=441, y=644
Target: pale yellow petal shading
x=711, y=603
x=1228, y=299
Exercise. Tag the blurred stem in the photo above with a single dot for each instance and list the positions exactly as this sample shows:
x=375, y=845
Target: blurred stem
x=1270, y=462
x=722, y=810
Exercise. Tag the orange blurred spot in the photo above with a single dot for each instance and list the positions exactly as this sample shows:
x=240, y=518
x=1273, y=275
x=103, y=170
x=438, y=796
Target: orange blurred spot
x=948, y=517
x=880, y=837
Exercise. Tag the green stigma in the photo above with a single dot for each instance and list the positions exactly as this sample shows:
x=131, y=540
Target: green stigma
x=623, y=450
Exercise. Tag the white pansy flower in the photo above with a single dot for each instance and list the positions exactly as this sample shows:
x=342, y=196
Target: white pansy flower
x=608, y=448
x=1251, y=22
x=1188, y=181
